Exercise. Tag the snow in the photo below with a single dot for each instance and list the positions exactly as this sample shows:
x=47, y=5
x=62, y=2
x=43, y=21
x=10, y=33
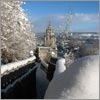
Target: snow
x=79, y=81
x=69, y=58
x=53, y=53
x=60, y=67
x=15, y=65
x=31, y=53
x=76, y=48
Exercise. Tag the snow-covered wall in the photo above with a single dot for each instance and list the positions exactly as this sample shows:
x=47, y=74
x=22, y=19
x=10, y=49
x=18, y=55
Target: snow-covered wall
x=20, y=85
x=79, y=81
x=15, y=65
x=60, y=67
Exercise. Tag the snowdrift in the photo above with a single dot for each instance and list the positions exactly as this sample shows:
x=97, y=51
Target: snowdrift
x=79, y=81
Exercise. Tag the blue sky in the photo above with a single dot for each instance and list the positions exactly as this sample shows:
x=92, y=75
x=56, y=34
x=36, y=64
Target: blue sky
x=85, y=14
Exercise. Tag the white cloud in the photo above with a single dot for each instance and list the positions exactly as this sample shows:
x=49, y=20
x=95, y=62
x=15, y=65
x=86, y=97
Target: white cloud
x=61, y=17
x=86, y=17
x=78, y=17
x=57, y=16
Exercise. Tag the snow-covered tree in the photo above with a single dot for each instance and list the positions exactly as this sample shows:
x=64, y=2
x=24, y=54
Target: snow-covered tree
x=17, y=37
x=86, y=50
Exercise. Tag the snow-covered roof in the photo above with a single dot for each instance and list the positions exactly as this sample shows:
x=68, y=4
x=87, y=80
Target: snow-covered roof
x=79, y=81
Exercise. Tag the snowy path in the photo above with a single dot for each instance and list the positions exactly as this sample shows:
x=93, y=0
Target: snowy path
x=41, y=82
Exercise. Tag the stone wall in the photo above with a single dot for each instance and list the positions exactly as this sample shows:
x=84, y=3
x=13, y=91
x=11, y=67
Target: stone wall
x=45, y=53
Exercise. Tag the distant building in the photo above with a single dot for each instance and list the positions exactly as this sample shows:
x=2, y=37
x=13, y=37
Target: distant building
x=49, y=38
x=85, y=35
x=49, y=49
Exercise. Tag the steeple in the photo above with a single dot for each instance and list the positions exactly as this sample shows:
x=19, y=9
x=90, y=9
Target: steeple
x=49, y=29
x=49, y=36
x=49, y=26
